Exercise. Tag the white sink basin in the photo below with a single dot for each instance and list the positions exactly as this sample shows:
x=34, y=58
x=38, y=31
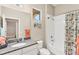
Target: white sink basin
x=19, y=45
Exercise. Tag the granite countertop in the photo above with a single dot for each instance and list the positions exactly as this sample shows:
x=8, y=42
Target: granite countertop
x=9, y=48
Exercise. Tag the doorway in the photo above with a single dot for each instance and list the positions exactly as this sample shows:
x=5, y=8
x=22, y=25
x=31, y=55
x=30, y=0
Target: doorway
x=12, y=28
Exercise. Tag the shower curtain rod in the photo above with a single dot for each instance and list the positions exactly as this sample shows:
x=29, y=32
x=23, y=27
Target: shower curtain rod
x=72, y=11
x=68, y=12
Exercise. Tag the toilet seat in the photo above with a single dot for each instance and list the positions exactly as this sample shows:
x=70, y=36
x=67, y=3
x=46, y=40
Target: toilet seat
x=44, y=51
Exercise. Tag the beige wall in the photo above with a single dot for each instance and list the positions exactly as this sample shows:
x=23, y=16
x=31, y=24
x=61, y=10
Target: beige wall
x=38, y=34
x=50, y=9
x=65, y=8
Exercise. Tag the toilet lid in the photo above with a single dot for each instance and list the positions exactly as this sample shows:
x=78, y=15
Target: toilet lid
x=44, y=51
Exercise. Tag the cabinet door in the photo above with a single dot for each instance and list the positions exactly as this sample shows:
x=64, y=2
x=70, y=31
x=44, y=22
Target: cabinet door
x=18, y=52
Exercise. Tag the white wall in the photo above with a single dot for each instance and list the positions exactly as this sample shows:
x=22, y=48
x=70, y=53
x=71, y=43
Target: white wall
x=50, y=32
x=59, y=34
x=49, y=11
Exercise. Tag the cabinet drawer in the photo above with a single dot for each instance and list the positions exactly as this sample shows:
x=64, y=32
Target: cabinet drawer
x=30, y=48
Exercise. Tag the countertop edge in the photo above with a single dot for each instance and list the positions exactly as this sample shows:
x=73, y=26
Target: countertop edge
x=17, y=49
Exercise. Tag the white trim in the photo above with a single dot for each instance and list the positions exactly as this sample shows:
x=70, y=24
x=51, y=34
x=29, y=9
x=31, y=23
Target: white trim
x=19, y=28
x=18, y=19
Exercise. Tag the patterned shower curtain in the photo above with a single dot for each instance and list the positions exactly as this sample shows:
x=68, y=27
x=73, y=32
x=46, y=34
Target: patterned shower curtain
x=72, y=32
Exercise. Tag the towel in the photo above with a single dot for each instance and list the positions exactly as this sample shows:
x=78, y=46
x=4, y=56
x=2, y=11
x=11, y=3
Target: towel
x=2, y=41
x=77, y=44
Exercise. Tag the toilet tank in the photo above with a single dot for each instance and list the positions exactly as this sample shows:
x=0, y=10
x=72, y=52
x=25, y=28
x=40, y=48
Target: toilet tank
x=40, y=44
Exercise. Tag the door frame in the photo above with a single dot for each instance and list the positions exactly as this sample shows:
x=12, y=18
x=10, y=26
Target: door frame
x=5, y=27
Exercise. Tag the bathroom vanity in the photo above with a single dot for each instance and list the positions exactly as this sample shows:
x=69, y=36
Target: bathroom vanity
x=30, y=48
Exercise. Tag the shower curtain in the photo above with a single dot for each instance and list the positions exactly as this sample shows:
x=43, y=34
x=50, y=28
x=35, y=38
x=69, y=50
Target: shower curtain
x=72, y=32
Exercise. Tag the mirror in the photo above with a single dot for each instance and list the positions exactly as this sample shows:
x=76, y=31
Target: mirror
x=37, y=18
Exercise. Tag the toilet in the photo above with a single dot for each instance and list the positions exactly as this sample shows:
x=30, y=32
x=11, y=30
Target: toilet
x=42, y=51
